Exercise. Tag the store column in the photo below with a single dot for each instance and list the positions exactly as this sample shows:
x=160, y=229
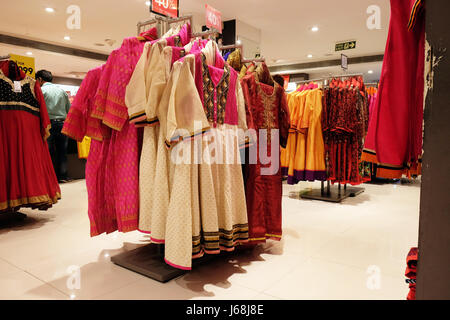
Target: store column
x=434, y=230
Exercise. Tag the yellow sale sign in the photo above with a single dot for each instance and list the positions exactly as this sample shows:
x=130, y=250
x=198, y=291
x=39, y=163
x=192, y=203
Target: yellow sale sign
x=26, y=64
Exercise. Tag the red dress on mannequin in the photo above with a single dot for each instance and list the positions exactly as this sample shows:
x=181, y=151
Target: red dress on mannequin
x=27, y=178
x=394, y=140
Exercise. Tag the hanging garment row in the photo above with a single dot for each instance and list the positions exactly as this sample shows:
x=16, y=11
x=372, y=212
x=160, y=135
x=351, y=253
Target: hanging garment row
x=146, y=109
x=27, y=177
x=327, y=130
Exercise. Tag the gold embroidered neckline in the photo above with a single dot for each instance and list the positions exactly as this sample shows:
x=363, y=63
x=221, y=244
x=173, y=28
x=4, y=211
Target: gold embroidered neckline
x=262, y=90
x=25, y=80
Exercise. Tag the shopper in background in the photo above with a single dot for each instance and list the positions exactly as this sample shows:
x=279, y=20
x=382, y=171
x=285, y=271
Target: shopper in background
x=58, y=105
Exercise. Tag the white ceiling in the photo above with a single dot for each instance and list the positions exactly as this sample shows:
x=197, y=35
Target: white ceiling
x=285, y=27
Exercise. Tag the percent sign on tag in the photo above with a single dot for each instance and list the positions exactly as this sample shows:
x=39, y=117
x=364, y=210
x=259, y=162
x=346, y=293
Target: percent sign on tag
x=167, y=8
x=213, y=18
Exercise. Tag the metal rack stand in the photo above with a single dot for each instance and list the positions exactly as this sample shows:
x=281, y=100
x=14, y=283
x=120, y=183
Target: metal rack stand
x=149, y=261
x=331, y=195
x=341, y=193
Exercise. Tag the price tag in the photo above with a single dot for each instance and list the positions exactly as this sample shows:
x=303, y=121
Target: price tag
x=167, y=8
x=213, y=18
x=17, y=86
x=26, y=64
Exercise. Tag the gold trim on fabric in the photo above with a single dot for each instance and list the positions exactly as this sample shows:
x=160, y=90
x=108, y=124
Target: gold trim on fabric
x=24, y=81
x=112, y=125
x=136, y=114
x=15, y=103
x=391, y=166
x=36, y=201
x=47, y=132
x=268, y=102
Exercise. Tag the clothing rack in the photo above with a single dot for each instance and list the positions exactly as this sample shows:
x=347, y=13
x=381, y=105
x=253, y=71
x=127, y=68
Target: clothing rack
x=347, y=76
x=176, y=20
x=148, y=260
x=205, y=33
x=330, y=195
x=253, y=60
x=157, y=20
x=241, y=47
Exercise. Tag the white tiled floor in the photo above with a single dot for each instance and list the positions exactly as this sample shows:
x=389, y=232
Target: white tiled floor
x=352, y=250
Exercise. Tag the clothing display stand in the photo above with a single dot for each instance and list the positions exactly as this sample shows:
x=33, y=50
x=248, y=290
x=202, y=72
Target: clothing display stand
x=331, y=195
x=148, y=260
x=341, y=193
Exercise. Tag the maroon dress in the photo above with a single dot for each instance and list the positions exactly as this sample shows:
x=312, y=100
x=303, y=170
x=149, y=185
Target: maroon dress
x=266, y=109
x=27, y=177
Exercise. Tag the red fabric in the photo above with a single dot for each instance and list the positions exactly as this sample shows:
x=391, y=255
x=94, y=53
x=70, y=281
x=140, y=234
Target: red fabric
x=79, y=122
x=345, y=117
x=264, y=192
x=395, y=131
x=411, y=271
x=27, y=177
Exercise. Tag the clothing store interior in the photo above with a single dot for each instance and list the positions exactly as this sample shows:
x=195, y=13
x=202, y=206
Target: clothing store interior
x=224, y=150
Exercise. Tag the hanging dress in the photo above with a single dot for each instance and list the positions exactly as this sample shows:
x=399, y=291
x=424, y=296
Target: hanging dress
x=267, y=110
x=27, y=178
x=207, y=210
x=394, y=139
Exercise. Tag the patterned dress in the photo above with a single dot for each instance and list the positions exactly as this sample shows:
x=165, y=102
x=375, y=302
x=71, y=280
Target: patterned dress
x=207, y=209
x=267, y=109
x=27, y=178
x=144, y=93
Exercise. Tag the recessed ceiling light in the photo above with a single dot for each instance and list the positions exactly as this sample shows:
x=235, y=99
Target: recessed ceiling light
x=370, y=71
x=310, y=56
x=238, y=41
x=315, y=29
x=67, y=38
x=29, y=53
x=147, y=3
x=50, y=10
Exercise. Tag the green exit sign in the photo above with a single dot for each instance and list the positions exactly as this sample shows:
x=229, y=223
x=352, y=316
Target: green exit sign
x=348, y=45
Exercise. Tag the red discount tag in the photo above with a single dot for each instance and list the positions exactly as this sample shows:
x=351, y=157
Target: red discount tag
x=168, y=8
x=286, y=81
x=213, y=18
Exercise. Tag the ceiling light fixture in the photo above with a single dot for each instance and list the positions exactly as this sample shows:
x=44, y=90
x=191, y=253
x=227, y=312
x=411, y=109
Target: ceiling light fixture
x=310, y=56
x=50, y=10
x=315, y=29
x=370, y=71
x=238, y=41
x=29, y=53
x=147, y=3
x=67, y=38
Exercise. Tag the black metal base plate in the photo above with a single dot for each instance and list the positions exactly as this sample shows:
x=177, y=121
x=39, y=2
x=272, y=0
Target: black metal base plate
x=333, y=195
x=149, y=261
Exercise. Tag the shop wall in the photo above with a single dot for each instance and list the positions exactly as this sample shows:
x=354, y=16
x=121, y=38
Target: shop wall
x=434, y=233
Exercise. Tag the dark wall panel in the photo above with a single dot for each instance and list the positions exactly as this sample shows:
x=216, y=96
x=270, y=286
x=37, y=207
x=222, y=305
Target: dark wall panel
x=434, y=234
